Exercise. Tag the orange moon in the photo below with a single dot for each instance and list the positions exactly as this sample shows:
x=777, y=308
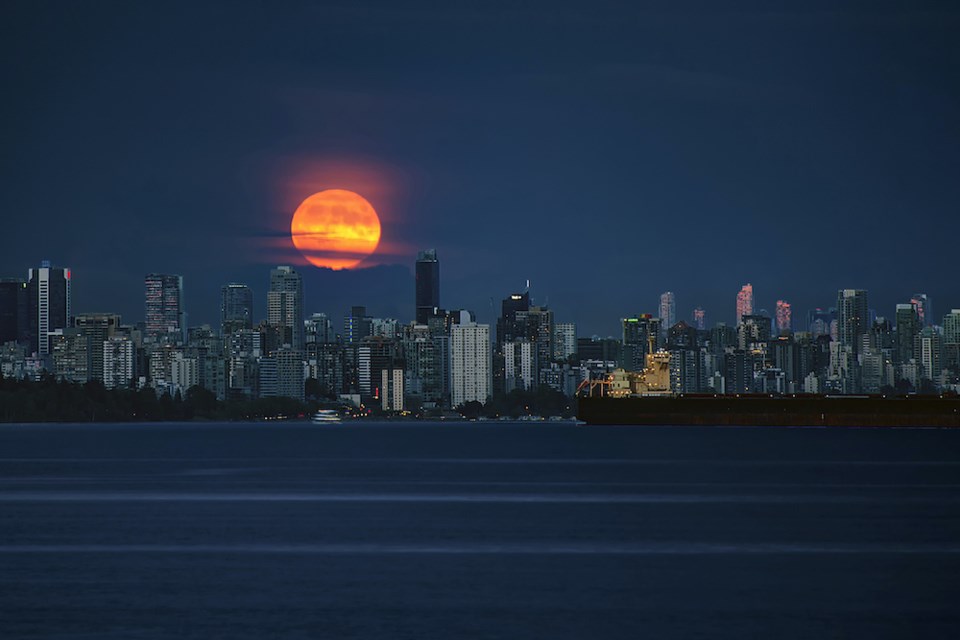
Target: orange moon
x=335, y=229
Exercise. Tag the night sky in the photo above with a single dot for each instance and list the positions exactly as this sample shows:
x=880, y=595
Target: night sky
x=603, y=152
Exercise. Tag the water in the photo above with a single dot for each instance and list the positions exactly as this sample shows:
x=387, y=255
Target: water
x=469, y=530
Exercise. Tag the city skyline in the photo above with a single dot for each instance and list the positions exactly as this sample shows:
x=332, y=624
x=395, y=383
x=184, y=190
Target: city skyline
x=606, y=160
x=259, y=309
x=445, y=357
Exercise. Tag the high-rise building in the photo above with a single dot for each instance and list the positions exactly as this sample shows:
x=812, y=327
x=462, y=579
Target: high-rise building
x=427, y=284
x=907, y=330
x=930, y=353
x=184, y=372
x=281, y=374
x=357, y=326
x=285, y=305
x=820, y=321
x=520, y=365
x=668, y=310
x=924, y=308
x=700, y=318
x=165, y=315
x=391, y=389
x=289, y=373
x=852, y=318
x=540, y=332
x=424, y=355
x=639, y=334
x=783, y=316
x=14, y=311
x=744, y=302
x=48, y=304
x=117, y=357
x=236, y=308
x=564, y=340
x=70, y=351
x=951, y=341
x=512, y=322
x=469, y=363
x=318, y=329
x=98, y=327
x=374, y=354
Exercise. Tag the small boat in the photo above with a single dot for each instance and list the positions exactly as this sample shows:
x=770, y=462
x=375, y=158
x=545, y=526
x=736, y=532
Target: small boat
x=324, y=416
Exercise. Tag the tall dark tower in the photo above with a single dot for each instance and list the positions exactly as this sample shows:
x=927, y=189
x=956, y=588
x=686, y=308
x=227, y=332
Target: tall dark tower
x=428, y=284
x=236, y=308
x=48, y=292
x=14, y=311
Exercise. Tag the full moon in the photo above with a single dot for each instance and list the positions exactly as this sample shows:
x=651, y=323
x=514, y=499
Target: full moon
x=335, y=229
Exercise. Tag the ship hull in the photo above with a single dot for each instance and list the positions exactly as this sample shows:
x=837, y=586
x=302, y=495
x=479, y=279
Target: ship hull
x=747, y=410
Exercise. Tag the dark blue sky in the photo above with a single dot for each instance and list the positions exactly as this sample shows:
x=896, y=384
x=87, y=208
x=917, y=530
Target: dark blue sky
x=603, y=151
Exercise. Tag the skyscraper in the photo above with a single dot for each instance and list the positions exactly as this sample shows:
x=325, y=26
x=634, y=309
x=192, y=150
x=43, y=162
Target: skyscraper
x=564, y=340
x=520, y=365
x=469, y=363
x=14, y=311
x=930, y=353
x=117, y=358
x=236, y=308
x=668, y=310
x=700, y=318
x=907, y=329
x=744, y=302
x=783, y=316
x=512, y=322
x=427, y=284
x=357, y=326
x=98, y=328
x=48, y=300
x=852, y=318
x=285, y=305
x=924, y=308
x=640, y=333
x=165, y=317
x=951, y=341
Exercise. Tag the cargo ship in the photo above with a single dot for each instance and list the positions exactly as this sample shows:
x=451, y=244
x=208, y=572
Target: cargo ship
x=644, y=398
x=775, y=411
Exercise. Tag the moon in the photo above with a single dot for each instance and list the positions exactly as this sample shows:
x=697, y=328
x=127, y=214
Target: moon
x=336, y=229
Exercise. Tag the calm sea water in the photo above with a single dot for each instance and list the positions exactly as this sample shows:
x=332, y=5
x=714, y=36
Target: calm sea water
x=477, y=531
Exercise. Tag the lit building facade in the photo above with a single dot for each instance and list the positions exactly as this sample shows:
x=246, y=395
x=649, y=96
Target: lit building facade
x=924, y=308
x=744, y=302
x=165, y=315
x=784, y=316
x=391, y=389
x=668, y=310
x=564, y=340
x=118, y=358
x=70, y=350
x=469, y=363
x=700, y=319
x=951, y=341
